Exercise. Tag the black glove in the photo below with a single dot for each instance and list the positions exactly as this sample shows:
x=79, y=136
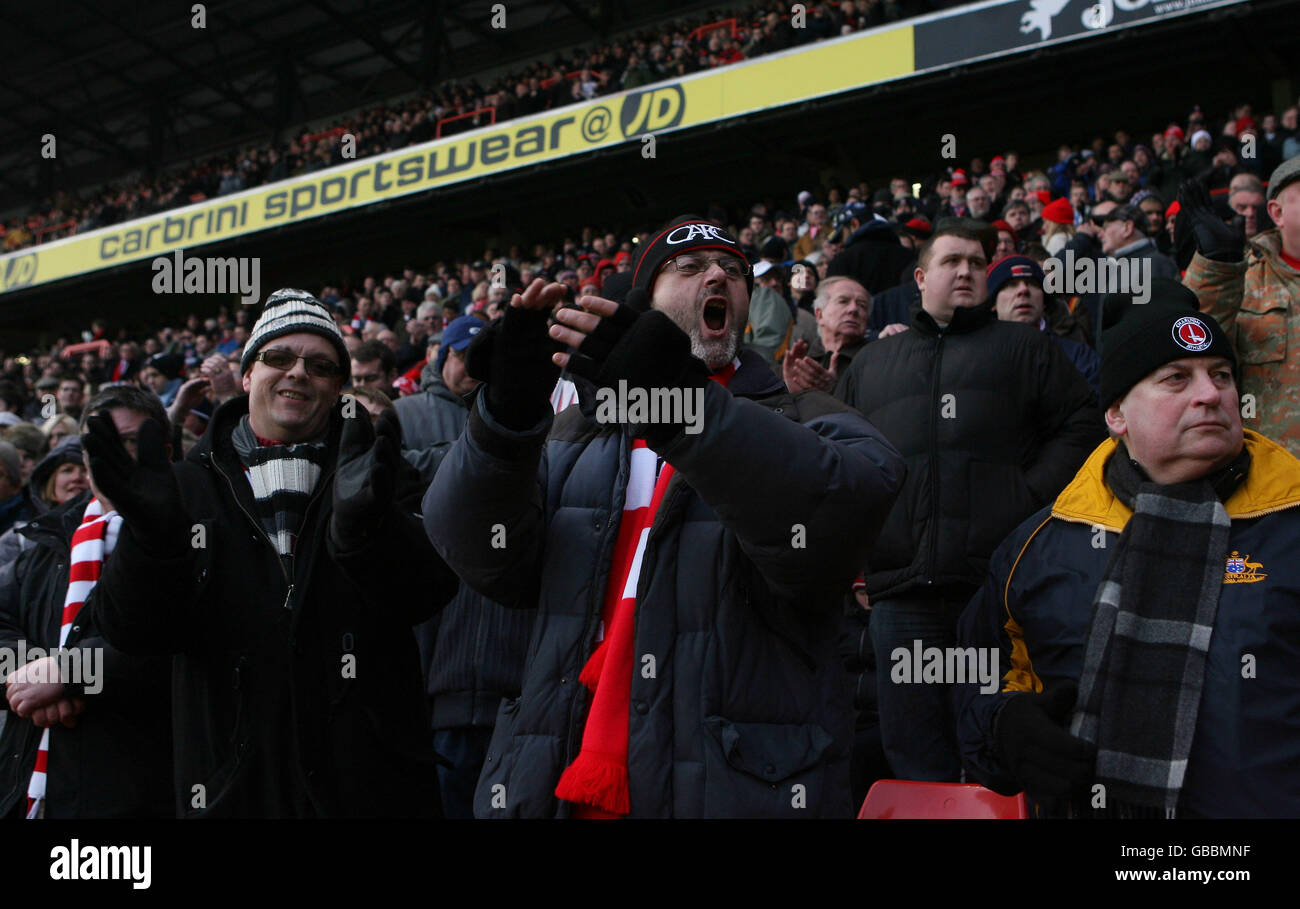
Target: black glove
x=512, y=357
x=366, y=477
x=1036, y=750
x=646, y=349
x=1216, y=239
x=142, y=489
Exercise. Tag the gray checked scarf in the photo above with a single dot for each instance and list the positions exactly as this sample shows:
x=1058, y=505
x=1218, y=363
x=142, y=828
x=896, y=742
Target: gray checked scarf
x=1144, y=658
x=283, y=478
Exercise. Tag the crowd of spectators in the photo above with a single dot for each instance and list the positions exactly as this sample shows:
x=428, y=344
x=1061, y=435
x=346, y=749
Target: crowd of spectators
x=952, y=255
x=1035, y=211
x=626, y=61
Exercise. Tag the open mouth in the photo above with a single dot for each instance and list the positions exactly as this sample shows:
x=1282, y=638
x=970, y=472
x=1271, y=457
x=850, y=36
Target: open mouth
x=293, y=395
x=715, y=314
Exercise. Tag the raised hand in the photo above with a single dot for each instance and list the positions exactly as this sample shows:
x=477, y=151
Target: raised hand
x=191, y=393
x=366, y=478
x=1215, y=238
x=619, y=343
x=217, y=371
x=513, y=358
x=142, y=489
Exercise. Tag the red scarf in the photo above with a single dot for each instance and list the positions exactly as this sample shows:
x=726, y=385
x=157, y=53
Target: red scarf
x=92, y=541
x=596, y=782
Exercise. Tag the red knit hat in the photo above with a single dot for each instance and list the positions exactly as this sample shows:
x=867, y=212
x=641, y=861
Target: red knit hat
x=999, y=224
x=1059, y=212
x=1173, y=209
x=919, y=227
x=959, y=178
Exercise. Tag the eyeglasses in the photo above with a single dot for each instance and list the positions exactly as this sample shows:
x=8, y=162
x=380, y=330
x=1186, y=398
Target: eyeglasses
x=284, y=360
x=694, y=265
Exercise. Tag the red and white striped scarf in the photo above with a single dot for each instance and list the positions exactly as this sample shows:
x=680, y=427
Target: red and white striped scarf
x=597, y=781
x=93, y=541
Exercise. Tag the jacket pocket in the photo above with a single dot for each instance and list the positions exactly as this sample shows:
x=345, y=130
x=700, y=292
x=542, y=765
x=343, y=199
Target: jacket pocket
x=765, y=769
x=491, y=794
x=203, y=797
x=1261, y=332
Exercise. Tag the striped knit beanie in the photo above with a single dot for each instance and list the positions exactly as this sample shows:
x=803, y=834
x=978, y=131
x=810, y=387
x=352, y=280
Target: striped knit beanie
x=289, y=311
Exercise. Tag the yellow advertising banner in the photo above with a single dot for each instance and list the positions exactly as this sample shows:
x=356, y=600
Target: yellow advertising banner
x=792, y=76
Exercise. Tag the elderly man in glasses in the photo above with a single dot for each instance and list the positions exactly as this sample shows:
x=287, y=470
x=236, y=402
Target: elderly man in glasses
x=688, y=569
x=283, y=568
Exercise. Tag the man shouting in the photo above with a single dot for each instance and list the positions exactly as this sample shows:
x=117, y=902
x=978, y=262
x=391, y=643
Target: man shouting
x=683, y=662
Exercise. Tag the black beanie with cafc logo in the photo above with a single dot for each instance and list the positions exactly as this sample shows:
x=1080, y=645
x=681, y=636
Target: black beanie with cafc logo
x=1155, y=333
x=685, y=233
x=289, y=311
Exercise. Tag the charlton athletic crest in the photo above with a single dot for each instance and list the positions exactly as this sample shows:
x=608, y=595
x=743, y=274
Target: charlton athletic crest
x=1192, y=334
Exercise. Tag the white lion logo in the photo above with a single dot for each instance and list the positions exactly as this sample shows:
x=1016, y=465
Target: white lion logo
x=1042, y=12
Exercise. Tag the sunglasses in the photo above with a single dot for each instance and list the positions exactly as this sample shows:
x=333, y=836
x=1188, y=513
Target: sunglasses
x=317, y=367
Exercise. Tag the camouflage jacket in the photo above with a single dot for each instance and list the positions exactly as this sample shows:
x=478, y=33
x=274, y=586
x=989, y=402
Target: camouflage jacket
x=1257, y=301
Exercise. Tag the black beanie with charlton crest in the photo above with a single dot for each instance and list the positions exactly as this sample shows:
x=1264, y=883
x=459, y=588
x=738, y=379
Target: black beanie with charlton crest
x=1166, y=328
x=685, y=233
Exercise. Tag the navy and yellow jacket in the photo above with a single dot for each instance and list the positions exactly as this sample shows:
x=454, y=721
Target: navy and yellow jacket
x=1036, y=607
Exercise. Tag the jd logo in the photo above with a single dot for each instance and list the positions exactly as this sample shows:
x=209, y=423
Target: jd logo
x=19, y=272
x=653, y=110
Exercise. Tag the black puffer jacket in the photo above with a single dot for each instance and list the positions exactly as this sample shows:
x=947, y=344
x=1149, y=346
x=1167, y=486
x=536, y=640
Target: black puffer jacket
x=117, y=761
x=740, y=704
x=992, y=419
x=299, y=698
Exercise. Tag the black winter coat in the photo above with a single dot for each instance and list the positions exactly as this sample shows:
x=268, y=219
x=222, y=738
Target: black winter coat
x=740, y=705
x=117, y=761
x=471, y=652
x=873, y=257
x=993, y=421
x=298, y=697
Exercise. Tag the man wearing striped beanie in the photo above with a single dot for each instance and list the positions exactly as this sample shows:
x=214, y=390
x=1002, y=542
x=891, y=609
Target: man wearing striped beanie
x=283, y=564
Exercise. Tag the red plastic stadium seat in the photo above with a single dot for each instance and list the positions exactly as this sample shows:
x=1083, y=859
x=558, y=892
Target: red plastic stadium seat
x=903, y=799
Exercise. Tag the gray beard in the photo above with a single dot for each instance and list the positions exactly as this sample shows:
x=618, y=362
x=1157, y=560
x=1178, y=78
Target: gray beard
x=715, y=353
